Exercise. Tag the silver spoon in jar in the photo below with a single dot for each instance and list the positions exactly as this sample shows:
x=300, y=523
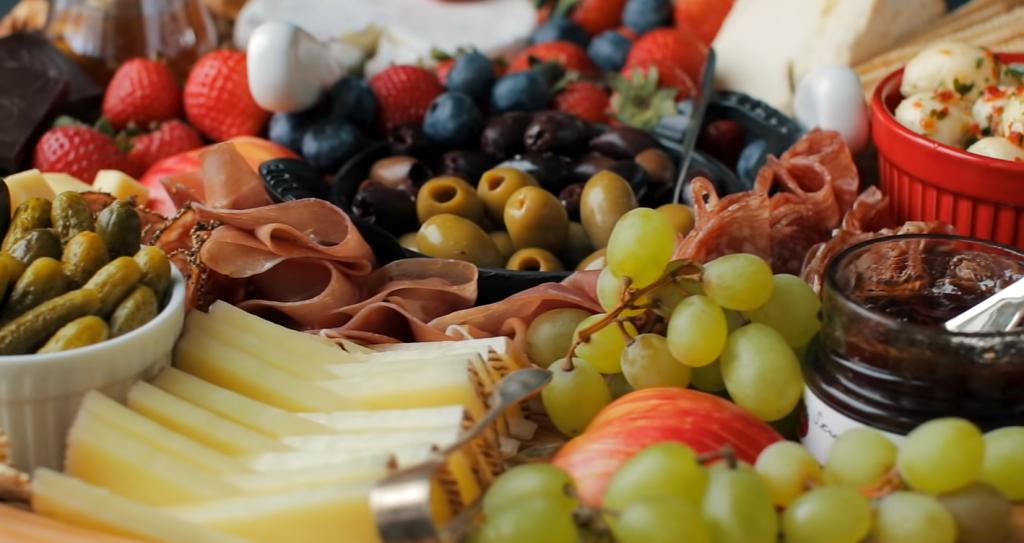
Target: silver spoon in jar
x=1001, y=312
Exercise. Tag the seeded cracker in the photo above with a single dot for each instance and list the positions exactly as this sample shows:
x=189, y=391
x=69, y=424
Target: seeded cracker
x=14, y=485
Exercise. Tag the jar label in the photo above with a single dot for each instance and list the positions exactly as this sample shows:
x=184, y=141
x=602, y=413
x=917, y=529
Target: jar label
x=821, y=425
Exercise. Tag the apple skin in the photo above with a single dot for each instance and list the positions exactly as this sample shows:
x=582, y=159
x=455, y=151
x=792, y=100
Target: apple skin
x=650, y=416
x=254, y=150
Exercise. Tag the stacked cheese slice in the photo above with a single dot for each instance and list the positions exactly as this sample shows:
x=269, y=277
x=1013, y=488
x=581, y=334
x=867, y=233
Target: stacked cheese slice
x=263, y=434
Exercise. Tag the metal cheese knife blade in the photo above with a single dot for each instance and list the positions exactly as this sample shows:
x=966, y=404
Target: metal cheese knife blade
x=699, y=106
x=1002, y=312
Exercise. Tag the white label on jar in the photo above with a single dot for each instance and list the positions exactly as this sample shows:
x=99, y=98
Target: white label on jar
x=821, y=425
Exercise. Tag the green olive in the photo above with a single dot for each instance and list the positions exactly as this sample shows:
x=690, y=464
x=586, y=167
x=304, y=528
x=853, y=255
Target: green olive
x=594, y=261
x=448, y=195
x=605, y=198
x=503, y=242
x=681, y=216
x=409, y=241
x=534, y=259
x=497, y=186
x=535, y=218
x=577, y=245
x=457, y=238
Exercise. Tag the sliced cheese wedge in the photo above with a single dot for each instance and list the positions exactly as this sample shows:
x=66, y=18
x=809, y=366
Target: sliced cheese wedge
x=382, y=441
x=27, y=185
x=199, y=424
x=64, y=498
x=121, y=186
x=392, y=419
x=258, y=416
x=371, y=469
x=426, y=386
x=405, y=456
x=62, y=182
x=307, y=346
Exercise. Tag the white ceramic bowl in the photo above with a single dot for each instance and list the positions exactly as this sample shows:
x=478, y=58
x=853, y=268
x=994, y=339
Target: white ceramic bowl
x=40, y=393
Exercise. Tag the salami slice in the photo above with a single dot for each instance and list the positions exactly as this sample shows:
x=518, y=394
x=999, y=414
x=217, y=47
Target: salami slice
x=738, y=223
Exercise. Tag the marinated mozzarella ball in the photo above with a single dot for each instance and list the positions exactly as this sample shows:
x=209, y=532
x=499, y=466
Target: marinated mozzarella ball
x=1012, y=75
x=988, y=110
x=1012, y=119
x=963, y=68
x=997, y=147
x=939, y=115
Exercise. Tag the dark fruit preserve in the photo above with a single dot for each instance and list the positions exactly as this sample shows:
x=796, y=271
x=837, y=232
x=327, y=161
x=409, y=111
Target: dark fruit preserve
x=883, y=357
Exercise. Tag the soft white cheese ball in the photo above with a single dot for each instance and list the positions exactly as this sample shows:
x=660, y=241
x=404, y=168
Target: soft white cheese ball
x=960, y=67
x=940, y=115
x=1011, y=75
x=1012, y=119
x=987, y=111
x=997, y=147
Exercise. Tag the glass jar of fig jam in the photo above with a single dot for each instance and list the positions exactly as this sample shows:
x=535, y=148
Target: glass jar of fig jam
x=884, y=358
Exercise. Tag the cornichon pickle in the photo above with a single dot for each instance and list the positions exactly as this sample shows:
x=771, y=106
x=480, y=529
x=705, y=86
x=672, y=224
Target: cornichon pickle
x=5, y=207
x=83, y=256
x=134, y=311
x=14, y=266
x=8, y=276
x=27, y=333
x=42, y=281
x=31, y=214
x=70, y=215
x=121, y=229
x=156, y=270
x=114, y=282
x=36, y=244
x=81, y=332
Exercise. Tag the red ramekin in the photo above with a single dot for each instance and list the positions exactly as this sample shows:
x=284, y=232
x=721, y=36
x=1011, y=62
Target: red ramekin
x=927, y=181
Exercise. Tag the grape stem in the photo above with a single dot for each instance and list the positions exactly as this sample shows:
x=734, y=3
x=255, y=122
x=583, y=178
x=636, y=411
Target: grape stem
x=889, y=484
x=727, y=453
x=685, y=271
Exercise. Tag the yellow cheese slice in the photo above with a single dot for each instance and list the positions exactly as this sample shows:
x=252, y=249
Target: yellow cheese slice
x=62, y=182
x=300, y=344
x=391, y=419
x=258, y=416
x=403, y=457
x=426, y=386
x=199, y=424
x=27, y=185
x=381, y=441
x=120, y=185
x=64, y=498
x=371, y=469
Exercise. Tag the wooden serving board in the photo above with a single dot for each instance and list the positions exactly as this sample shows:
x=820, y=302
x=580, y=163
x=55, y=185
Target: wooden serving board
x=1018, y=524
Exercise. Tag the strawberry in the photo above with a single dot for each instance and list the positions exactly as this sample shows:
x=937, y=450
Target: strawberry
x=670, y=76
x=81, y=151
x=142, y=91
x=643, y=95
x=442, y=69
x=217, y=98
x=595, y=16
x=171, y=138
x=670, y=45
x=404, y=94
x=586, y=100
x=569, y=55
x=703, y=18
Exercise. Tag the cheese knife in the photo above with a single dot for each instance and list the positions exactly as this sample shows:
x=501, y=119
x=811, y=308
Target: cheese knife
x=698, y=106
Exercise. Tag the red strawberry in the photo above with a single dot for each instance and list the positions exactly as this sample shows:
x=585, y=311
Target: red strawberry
x=702, y=17
x=569, y=55
x=81, y=151
x=598, y=15
x=670, y=45
x=442, y=69
x=171, y=138
x=217, y=98
x=142, y=91
x=544, y=13
x=586, y=100
x=404, y=93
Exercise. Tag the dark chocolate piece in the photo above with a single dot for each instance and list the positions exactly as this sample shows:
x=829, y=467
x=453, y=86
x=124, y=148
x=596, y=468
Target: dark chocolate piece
x=34, y=50
x=29, y=98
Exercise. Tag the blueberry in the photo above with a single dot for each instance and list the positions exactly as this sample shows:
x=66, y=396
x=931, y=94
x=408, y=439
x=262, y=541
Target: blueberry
x=609, y=50
x=353, y=100
x=330, y=142
x=453, y=121
x=642, y=16
x=520, y=91
x=561, y=29
x=473, y=75
x=288, y=129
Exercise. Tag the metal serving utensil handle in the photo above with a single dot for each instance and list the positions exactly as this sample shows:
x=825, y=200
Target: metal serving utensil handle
x=700, y=106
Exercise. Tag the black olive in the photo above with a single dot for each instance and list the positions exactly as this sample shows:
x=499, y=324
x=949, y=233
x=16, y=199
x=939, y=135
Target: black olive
x=553, y=172
x=466, y=165
x=389, y=208
x=405, y=139
x=556, y=132
x=635, y=175
x=623, y=142
x=590, y=164
x=397, y=171
x=503, y=136
x=570, y=198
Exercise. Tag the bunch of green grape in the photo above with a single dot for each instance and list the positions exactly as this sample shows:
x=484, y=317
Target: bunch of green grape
x=661, y=495
x=738, y=329
x=946, y=483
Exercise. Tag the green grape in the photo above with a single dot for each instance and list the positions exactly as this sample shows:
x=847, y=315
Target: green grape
x=708, y=378
x=609, y=294
x=528, y=481
x=696, y=331
x=761, y=372
x=941, y=455
x=641, y=244
x=738, y=509
x=830, y=514
x=734, y=320
x=1004, y=461
x=666, y=298
x=619, y=386
x=665, y=469
x=604, y=348
x=904, y=517
x=739, y=281
x=787, y=469
x=792, y=310
x=647, y=363
x=662, y=519
x=537, y=520
x=981, y=512
x=550, y=335
x=860, y=458
x=574, y=397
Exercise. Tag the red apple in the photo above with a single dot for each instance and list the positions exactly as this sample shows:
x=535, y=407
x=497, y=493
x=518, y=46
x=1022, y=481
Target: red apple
x=255, y=150
x=650, y=416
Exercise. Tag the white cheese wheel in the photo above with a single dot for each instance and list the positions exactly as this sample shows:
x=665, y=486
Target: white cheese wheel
x=960, y=67
x=940, y=116
x=996, y=147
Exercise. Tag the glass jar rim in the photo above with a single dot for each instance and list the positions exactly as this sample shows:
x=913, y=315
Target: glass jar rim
x=831, y=283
